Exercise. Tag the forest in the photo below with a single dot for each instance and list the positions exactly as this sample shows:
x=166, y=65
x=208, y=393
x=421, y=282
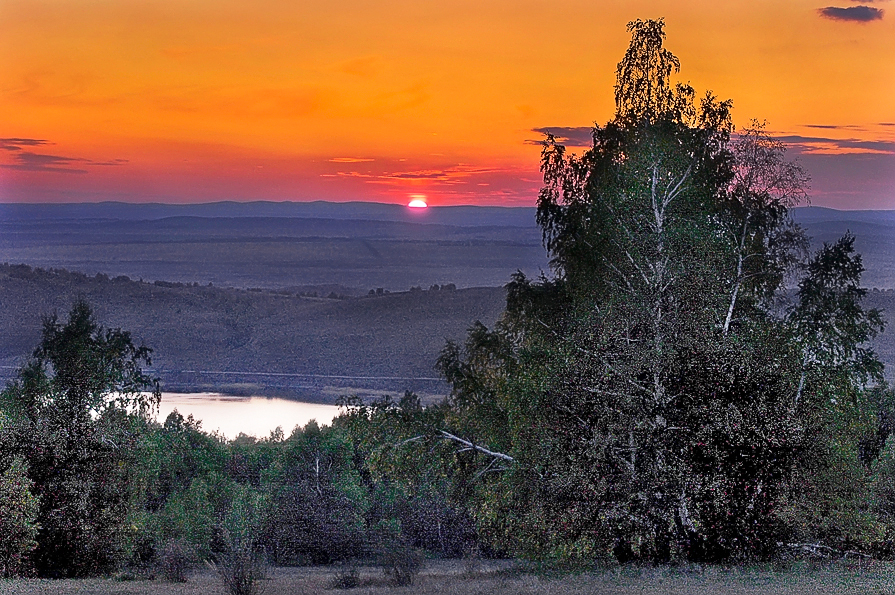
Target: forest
x=692, y=383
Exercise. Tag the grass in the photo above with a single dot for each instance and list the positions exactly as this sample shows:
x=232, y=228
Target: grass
x=454, y=578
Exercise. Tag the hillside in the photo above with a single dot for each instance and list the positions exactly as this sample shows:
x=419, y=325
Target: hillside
x=253, y=325
x=256, y=342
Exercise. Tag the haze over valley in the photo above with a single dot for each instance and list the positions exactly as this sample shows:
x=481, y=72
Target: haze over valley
x=274, y=298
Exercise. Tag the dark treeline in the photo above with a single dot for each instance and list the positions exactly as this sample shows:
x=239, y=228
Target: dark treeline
x=691, y=384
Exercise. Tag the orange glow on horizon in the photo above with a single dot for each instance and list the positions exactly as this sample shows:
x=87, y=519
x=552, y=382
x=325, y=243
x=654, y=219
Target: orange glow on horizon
x=164, y=100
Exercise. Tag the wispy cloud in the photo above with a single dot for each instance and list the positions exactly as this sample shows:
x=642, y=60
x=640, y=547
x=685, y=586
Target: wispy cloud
x=816, y=144
x=349, y=160
x=857, y=14
x=16, y=144
x=570, y=136
x=834, y=126
x=27, y=160
x=364, y=67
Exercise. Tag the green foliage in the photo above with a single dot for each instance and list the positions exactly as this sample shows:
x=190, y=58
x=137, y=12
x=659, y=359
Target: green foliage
x=316, y=500
x=78, y=408
x=188, y=516
x=18, y=519
x=242, y=563
x=649, y=402
x=411, y=473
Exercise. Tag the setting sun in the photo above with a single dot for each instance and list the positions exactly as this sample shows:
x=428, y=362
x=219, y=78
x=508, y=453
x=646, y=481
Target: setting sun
x=418, y=202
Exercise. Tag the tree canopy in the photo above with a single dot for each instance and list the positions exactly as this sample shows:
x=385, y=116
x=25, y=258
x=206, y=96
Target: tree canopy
x=649, y=396
x=70, y=412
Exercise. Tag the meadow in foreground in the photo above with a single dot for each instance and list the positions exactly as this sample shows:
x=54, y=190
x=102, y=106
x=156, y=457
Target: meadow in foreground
x=458, y=578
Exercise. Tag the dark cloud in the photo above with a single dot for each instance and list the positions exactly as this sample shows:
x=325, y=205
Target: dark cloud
x=16, y=144
x=25, y=160
x=28, y=161
x=834, y=126
x=570, y=136
x=860, y=14
x=807, y=144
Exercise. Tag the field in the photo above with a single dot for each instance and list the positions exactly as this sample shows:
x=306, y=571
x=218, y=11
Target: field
x=458, y=578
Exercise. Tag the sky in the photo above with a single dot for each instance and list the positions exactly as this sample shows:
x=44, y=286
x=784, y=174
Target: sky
x=381, y=100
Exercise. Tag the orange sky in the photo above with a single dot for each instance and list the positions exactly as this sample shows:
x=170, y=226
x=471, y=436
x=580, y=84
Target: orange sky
x=199, y=100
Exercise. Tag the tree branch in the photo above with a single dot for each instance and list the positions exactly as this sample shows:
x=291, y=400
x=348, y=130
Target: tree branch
x=482, y=449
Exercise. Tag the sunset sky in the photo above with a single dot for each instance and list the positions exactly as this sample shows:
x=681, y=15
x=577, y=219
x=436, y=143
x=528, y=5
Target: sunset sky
x=201, y=100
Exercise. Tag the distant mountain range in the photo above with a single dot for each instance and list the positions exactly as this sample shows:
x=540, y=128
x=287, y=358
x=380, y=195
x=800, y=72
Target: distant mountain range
x=272, y=298
x=358, y=245
x=464, y=216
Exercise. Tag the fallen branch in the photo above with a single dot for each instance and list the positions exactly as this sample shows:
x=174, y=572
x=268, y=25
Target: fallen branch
x=472, y=446
x=409, y=440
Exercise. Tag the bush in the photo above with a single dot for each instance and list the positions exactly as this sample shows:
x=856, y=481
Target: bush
x=176, y=560
x=241, y=568
x=346, y=577
x=18, y=514
x=399, y=561
x=242, y=564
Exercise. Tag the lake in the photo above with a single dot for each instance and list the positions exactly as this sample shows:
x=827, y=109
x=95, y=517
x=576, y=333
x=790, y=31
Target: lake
x=256, y=416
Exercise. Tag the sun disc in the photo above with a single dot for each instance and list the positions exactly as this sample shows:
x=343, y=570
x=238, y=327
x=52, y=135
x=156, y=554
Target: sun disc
x=417, y=203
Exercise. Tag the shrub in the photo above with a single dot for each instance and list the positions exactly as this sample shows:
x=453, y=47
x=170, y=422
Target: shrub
x=346, y=577
x=242, y=564
x=18, y=514
x=176, y=560
x=399, y=561
x=241, y=568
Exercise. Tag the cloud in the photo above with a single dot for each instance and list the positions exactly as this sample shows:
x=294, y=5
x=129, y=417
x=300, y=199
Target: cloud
x=461, y=174
x=16, y=144
x=28, y=161
x=23, y=160
x=818, y=145
x=349, y=160
x=859, y=14
x=834, y=126
x=570, y=136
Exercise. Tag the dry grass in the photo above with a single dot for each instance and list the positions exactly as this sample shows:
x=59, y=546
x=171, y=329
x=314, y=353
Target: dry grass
x=454, y=578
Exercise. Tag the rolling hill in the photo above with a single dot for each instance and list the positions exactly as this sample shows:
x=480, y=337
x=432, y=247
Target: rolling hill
x=272, y=298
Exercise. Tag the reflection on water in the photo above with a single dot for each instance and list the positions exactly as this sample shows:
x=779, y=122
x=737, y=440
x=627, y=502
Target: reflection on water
x=256, y=416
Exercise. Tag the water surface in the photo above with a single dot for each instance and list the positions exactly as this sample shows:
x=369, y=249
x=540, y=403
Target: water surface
x=255, y=416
